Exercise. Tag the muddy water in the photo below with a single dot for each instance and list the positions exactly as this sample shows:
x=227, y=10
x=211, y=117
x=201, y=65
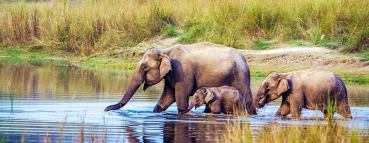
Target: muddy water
x=65, y=104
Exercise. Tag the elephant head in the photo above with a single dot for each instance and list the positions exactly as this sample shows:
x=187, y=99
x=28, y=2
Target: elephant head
x=150, y=70
x=272, y=88
x=200, y=97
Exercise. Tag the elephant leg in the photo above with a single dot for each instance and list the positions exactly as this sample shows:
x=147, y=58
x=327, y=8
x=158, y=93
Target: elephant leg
x=207, y=109
x=283, y=110
x=182, y=92
x=295, y=111
x=166, y=99
x=244, y=87
x=296, y=103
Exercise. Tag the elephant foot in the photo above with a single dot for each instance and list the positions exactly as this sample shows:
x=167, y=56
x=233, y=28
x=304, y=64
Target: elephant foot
x=114, y=107
x=158, y=109
x=347, y=116
x=252, y=111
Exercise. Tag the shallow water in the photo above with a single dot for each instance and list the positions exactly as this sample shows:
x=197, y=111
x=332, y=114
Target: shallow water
x=62, y=103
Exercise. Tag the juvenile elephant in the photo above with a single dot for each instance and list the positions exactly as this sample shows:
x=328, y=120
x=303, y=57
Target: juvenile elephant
x=311, y=89
x=185, y=68
x=224, y=99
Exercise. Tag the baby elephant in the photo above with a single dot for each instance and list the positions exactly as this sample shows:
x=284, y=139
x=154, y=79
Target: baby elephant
x=311, y=89
x=224, y=99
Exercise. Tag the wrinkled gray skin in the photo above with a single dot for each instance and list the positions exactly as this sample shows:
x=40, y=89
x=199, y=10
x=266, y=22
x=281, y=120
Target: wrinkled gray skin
x=310, y=89
x=224, y=99
x=185, y=68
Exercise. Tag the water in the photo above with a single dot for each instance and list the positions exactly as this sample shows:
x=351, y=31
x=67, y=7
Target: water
x=63, y=103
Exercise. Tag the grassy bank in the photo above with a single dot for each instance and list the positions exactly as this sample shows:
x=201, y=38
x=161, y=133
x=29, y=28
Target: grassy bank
x=274, y=133
x=88, y=27
x=26, y=55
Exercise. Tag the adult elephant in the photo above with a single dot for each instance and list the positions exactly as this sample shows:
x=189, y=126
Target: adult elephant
x=185, y=68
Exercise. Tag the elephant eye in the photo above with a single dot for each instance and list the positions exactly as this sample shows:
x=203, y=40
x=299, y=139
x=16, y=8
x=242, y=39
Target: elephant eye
x=145, y=67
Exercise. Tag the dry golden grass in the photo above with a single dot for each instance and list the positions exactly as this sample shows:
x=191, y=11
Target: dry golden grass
x=276, y=133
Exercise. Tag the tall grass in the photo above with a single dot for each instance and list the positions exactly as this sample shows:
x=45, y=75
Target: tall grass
x=86, y=27
x=274, y=133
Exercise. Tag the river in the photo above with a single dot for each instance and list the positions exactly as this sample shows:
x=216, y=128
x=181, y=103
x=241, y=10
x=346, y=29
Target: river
x=66, y=104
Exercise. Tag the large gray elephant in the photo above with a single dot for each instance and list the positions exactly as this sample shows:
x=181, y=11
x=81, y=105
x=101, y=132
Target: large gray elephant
x=185, y=68
x=311, y=89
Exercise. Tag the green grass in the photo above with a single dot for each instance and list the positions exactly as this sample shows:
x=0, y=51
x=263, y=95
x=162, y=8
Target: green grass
x=261, y=44
x=26, y=56
x=88, y=27
x=172, y=31
x=365, y=56
x=109, y=63
x=356, y=79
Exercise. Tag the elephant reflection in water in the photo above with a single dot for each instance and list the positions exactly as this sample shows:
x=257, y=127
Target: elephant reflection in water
x=177, y=132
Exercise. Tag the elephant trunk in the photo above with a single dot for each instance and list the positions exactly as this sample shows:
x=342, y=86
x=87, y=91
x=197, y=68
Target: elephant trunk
x=259, y=96
x=135, y=83
x=189, y=108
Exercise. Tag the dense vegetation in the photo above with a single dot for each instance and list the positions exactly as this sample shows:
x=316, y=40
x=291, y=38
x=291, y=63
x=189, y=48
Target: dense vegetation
x=86, y=27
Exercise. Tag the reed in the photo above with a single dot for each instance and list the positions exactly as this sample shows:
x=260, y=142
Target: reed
x=276, y=133
x=89, y=26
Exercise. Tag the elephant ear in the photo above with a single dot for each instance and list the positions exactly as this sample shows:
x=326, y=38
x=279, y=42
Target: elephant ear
x=209, y=96
x=283, y=86
x=165, y=65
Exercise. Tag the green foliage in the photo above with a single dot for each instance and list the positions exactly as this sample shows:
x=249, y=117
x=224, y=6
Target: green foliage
x=300, y=43
x=356, y=79
x=263, y=44
x=172, y=31
x=192, y=34
x=365, y=56
x=331, y=107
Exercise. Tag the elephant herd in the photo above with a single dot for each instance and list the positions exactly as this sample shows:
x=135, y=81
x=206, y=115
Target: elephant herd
x=219, y=77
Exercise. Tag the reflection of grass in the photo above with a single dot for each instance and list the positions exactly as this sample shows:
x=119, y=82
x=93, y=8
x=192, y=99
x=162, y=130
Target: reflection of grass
x=273, y=133
x=2, y=138
x=11, y=103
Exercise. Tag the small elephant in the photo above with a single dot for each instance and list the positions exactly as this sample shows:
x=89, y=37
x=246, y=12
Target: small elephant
x=224, y=99
x=310, y=89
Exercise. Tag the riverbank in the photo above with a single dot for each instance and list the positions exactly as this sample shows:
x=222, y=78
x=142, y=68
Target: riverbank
x=353, y=68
